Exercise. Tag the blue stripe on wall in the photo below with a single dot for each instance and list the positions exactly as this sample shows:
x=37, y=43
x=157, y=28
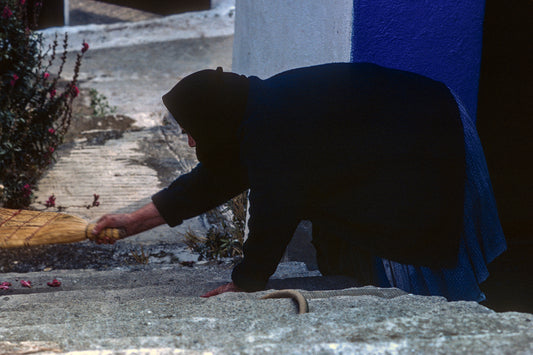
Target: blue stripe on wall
x=439, y=39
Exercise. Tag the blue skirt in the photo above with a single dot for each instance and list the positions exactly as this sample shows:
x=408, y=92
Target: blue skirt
x=481, y=242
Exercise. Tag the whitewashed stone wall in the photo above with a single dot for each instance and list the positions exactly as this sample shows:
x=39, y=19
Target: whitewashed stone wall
x=274, y=35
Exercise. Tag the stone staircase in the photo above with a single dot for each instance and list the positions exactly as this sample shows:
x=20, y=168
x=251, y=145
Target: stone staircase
x=112, y=309
x=155, y=309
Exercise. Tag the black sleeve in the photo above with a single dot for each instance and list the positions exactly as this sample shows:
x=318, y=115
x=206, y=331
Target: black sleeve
x=198, y=192
x=272, y=223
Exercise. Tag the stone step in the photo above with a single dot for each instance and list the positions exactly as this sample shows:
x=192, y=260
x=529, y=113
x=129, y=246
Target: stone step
x=189, y=280
x=153, y=309
x=175, y=278
x=98, y=298
x=230, y=324
x=157, y=308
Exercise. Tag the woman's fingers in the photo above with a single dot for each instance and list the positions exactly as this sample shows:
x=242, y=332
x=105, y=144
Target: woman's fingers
x=230, y=287
x=111, y=221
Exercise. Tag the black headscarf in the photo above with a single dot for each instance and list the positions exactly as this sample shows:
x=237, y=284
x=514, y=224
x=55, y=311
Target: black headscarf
x=210, y=106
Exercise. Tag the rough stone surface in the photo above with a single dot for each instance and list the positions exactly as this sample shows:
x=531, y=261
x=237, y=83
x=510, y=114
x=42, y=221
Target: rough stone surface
x=158, y=308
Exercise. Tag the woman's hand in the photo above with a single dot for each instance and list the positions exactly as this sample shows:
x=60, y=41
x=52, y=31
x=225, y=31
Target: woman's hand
x=120, y=221
x=143, y=219
x=231, y=287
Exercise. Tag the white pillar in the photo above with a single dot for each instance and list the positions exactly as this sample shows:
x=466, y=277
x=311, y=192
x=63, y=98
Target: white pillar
x=272, y=36
x=66, y=12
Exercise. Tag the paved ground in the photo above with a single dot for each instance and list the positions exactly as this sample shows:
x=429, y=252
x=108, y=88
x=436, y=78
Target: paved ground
x=128, y=157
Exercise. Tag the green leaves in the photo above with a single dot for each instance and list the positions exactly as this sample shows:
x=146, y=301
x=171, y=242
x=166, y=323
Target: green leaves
x=35, y=105
x=225, y=239
x=99, y=104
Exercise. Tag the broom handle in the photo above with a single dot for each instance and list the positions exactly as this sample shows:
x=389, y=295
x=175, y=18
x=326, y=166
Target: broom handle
x=108, y=233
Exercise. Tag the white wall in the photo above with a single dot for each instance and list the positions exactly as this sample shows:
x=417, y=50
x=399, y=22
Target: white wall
x=275, y=35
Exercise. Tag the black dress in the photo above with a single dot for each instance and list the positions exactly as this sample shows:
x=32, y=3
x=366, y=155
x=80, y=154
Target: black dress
x=372, y=155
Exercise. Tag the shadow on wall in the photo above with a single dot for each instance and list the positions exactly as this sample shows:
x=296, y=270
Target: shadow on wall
x=53, y=11
x=505, y=125
x=164, y=7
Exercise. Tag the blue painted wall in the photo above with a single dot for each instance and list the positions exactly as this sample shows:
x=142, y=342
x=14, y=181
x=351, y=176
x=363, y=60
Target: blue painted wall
x=437, y=38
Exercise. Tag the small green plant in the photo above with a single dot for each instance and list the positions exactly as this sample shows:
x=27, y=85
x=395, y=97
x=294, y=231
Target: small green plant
x=141, y=257
x=218, y=243
x=100, y=105
x=223, y=240
x=35, y=104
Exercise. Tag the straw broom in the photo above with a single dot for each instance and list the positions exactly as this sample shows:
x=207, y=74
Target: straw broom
x=19, y=228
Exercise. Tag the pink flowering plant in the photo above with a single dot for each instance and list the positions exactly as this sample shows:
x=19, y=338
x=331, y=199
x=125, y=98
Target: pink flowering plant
x=35, y=103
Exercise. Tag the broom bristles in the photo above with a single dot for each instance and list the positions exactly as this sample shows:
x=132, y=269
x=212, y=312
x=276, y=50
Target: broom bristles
x=20, y=228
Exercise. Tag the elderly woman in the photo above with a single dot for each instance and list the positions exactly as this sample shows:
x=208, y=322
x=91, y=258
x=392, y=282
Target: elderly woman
x=386, y=164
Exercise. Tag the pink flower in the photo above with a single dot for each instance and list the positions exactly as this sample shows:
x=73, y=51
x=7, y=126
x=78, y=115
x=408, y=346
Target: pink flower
x=14, y=80
x=96, y=203
x=51, y=202
x=5, y=285
x=51, y=149
x=25, y=283
x=51, y=130
x=54, y=283
x=7, y=13
x=85, y=47
x=45, y=76
x=53, y=93
x=27, y=190
x=75, y=91
x=22, y=2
